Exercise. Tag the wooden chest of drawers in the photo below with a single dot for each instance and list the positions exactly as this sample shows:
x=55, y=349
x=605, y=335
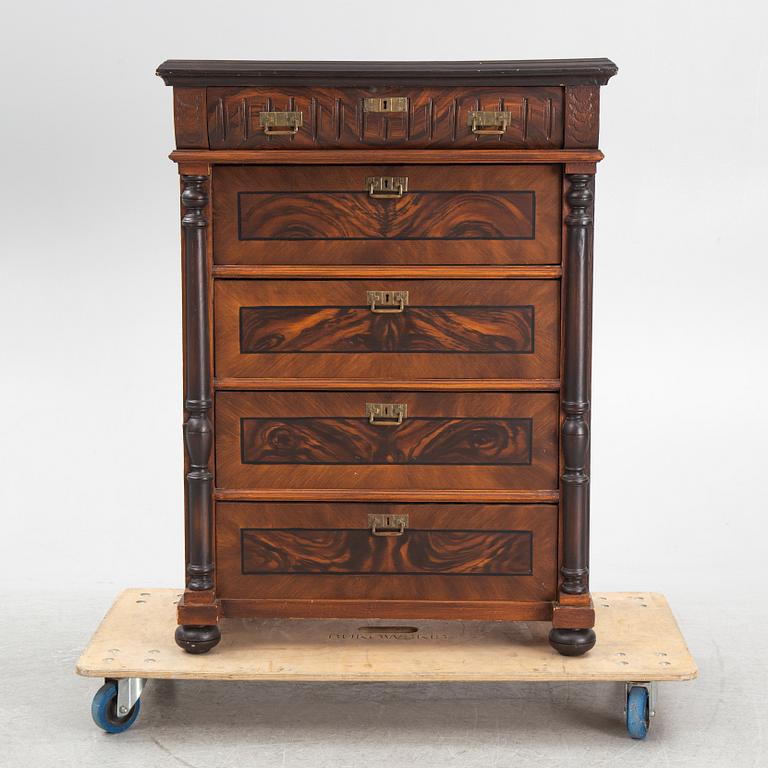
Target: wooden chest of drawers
x=387, y=277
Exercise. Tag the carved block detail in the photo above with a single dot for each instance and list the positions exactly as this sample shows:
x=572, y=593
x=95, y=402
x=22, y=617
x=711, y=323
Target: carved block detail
x=582, y=104
x=190, y=118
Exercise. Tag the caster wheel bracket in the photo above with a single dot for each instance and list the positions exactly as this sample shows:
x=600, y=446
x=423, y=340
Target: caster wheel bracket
x=129, y=690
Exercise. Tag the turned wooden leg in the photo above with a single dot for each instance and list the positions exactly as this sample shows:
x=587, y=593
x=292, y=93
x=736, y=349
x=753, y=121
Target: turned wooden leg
x=572, y=642
x=196, y=639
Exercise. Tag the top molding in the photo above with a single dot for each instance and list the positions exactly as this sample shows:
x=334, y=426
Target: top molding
x=360, y=73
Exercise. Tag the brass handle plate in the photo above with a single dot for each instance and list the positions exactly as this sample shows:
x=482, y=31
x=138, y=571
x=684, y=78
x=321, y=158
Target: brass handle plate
x=383, y=187
x=387, y=302
x=389, y=104
x=386, y=414
x=387, y=525
x=485, y=123
x=281, y=123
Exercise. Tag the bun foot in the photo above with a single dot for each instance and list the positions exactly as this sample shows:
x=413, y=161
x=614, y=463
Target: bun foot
x=572, y=642
x=195, y=639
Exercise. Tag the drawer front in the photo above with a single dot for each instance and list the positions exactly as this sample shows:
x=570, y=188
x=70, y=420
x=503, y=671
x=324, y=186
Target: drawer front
x=532, y=118
x=445, y=551
x=327, y=328
x=325, y=440
x=431, y=215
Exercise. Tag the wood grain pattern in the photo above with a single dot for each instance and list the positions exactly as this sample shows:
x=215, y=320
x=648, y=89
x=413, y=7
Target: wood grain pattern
x=330, y=550
x=449, y=551
x=421, y=385
x=455, y=430
x=400, y=272
x=355, y=215
x=511, y=215
x=189, y=118
x=452, y=329
x=359, y=330
x=335, y=117
x=338, y=440
x=392, y=156
x=469, y=495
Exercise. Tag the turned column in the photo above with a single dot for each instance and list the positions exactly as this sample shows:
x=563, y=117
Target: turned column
x=570, y=636
x=575, y=393
x=198, y=431
x=201, y=635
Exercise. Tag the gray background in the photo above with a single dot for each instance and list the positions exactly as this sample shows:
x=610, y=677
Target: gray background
x=90, y=317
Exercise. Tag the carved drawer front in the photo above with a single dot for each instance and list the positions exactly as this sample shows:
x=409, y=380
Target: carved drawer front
x=280, y=118
x=429, y=551
x=386, y=440
x=387, y=329
x=408, y=214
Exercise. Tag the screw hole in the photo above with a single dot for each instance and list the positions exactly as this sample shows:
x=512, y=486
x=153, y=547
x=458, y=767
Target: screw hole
x=153, y=650
x=150, y=661
x=145, y=594
x=624, y=663
x=141, y=601
x=665, y=663
x=661, y=653
x=114, y=650
x=621, y=653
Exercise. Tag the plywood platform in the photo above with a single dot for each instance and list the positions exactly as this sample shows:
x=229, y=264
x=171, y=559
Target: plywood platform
x=637, y=640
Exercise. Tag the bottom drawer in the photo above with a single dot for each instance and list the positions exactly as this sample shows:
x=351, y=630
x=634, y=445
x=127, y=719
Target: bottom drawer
x=386, y=551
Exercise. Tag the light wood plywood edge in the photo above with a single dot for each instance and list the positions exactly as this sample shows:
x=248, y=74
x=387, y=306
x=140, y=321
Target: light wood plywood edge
x=637, y=639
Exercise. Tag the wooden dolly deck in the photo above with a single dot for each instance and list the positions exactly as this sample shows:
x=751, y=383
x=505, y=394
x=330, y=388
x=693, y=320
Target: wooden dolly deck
x=639, y=643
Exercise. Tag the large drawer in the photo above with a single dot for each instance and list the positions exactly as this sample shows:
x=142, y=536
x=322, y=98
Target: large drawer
x=531, y=118
x=450, y=329
x=325, y=440
x=499, y=214
x=444, y=552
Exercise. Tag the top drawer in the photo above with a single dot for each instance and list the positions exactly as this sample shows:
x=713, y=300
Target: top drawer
x=332, y=118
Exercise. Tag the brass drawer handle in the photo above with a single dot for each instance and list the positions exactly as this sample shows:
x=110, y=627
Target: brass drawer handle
x=489, y=123
x=387, y=525
x=384, y=187
x=387, y=302
x=386, y=414
x=281, y=123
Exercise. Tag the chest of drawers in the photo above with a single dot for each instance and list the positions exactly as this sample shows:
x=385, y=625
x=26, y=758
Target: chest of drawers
x=387, y=275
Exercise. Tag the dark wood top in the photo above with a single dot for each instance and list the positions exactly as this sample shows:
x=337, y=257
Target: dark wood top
x=361, y=73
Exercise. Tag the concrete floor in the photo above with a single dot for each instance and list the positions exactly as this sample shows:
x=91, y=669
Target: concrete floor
x=717, y=720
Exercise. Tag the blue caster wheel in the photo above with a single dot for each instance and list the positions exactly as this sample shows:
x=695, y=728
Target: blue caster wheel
x=104, y=710
x=638, y=712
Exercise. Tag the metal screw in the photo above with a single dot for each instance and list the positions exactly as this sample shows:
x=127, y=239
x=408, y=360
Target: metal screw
x=123, y=710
